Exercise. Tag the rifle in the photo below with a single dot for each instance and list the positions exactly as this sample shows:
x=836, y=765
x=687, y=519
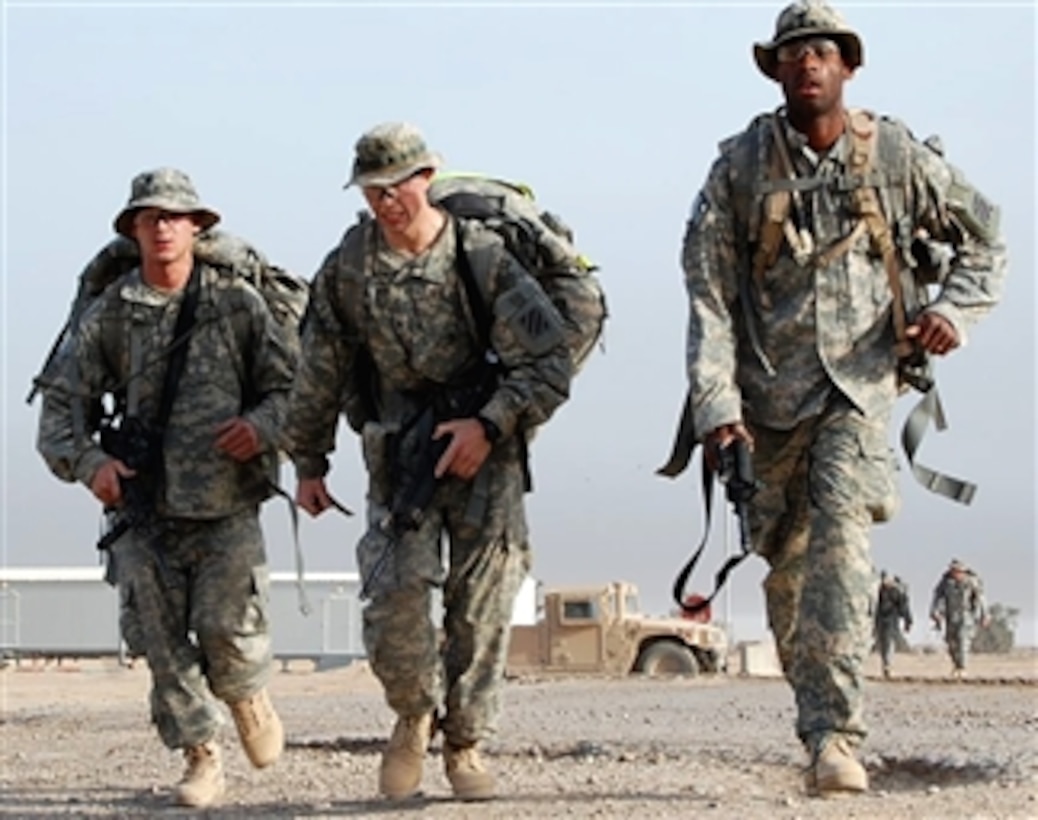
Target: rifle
x=413, y=454
x=736, y=473
x=139, y=447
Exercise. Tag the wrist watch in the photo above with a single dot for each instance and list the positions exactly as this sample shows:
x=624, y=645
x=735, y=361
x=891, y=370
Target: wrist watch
x=490, y=430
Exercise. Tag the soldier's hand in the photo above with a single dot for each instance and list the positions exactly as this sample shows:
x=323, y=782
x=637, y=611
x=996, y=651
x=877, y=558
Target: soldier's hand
x=312, y=496
x=467, y=450
x=721, y=437
x=105, y=482
x=238, y=438
x=934, y=333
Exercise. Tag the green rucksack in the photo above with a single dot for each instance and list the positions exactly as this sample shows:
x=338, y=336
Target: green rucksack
x=541, y=242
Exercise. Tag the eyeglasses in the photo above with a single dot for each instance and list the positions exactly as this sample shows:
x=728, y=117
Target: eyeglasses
x=820, y=47
x=151, y=218
x=380, y=192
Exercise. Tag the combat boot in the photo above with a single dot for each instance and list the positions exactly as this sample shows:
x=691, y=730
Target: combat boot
x=469, y=778
x=836, y=770
x=400, y=774
x=259, y=728
x=203, y=782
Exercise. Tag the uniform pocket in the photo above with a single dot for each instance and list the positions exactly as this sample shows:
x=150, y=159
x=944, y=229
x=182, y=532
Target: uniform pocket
x=375, y=449
x=879, y=480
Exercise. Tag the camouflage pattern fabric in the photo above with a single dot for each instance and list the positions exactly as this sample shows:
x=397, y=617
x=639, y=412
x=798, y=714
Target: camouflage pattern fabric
x=959, y=601
x=805, y=357
x=823, y=483
x=892, y=608
x=419, y=333
x=210, y=578
x=487, y=562
x=199, y=564
x=236, y=354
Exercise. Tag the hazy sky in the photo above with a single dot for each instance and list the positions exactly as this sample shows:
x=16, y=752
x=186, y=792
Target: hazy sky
x=612, y=114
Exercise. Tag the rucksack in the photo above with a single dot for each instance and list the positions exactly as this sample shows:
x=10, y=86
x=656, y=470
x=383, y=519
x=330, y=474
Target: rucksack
x=543, y=245
x=285, y=293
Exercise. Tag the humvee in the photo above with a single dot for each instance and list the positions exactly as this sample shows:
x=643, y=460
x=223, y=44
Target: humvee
x=601, y=630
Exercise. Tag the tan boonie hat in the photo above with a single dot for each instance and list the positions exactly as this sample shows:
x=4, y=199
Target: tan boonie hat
x=390, y=153
x=168, y=189
x=809, y=18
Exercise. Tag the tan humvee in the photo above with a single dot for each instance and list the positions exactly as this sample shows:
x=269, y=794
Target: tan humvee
x=601, y=630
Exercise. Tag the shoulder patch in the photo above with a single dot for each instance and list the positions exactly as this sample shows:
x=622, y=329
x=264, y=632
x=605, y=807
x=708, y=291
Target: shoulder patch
x=979, y=214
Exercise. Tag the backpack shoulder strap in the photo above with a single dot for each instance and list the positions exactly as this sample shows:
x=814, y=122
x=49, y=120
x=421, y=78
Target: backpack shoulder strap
x=354, y=257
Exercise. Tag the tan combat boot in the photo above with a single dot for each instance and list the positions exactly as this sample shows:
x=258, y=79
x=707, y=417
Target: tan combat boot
x=468, y=776
x=400, y=775
x=836, y=770
x=203, y=782
x=259, y=728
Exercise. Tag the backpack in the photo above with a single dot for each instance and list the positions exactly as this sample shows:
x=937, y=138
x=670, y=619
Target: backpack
x=543, y=245
x=286, y=294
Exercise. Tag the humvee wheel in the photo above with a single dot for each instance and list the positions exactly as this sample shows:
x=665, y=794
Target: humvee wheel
x=666, y=658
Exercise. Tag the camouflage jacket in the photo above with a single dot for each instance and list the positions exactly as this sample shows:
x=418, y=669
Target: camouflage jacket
x=419, y=331
x=959, y=600
x=772, y=348
x=239, y=362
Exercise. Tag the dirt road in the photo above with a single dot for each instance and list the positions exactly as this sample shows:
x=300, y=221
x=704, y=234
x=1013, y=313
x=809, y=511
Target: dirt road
x=74, y=742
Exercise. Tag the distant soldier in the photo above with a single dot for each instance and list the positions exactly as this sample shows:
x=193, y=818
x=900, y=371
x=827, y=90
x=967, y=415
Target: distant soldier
x=892, y=608
x=958, y=605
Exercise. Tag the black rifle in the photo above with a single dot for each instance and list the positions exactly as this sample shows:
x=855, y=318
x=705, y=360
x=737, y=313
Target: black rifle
x=735, y=471
x=139, y=447
x=413, y=454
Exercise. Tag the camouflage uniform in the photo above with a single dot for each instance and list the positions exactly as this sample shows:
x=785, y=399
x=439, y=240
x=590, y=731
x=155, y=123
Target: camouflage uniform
x=892, y=608
x=198, y=563
x=958, y=601
x=419, y=333
x=803, y=354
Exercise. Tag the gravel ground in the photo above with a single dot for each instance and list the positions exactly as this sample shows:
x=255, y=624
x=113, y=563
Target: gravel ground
x=74, y=741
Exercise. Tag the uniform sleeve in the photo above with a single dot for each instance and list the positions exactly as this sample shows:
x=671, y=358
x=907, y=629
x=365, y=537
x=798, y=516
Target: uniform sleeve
x=952, y=211
x=80, y=376
x=272, y=364
x=325, y=369
x=711, y=280
x=527, y=335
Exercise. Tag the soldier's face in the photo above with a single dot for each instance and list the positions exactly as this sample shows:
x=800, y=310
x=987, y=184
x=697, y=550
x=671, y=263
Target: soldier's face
x=396, y=206
x=164, y=236
x=812, y=74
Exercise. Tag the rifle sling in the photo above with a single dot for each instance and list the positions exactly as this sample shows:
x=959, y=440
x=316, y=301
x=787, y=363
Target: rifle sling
x=178, y=357
x=722, y=574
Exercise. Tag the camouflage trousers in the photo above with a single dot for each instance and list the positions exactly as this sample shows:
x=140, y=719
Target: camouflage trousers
x=488, y=555
x=886, y=639
x=195, y=595
x=957, y=636
x=825, y=482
